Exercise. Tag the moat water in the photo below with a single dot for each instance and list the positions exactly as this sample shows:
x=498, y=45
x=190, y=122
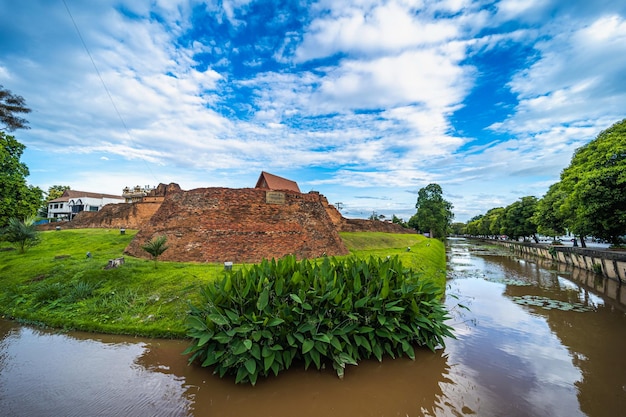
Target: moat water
x=536, y=339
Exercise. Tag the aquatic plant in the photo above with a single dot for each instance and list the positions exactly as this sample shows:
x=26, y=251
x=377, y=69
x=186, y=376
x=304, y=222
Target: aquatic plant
x=550, y=304
x=259, y=320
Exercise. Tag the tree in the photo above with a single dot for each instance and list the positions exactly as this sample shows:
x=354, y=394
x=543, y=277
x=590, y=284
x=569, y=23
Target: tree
x=457, y=228
x=594, y=185
x=548, y=217
x=156, y=247
x=10, y=104
x=518, y=217
x=491, y=222
x=433, y=212
x=376, y=217
x=23, y=234
x=17, y=199
x=400, y=221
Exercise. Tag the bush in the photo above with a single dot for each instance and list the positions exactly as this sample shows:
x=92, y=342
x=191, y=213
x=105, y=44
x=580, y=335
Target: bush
x=259, y=320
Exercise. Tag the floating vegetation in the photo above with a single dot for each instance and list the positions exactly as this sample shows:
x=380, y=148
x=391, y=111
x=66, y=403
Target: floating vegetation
x=509, y=281
x=550, y=304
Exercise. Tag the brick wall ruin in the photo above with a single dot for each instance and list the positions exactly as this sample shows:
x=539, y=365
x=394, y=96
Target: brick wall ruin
x=226, y=224
x=240, y=225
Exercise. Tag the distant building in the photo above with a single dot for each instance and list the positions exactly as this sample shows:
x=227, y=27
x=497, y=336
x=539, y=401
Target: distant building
x=136, y=194
x=73, y=202
x=272, y=182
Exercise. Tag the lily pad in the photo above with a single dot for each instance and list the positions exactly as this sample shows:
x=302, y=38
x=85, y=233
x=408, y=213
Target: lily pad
x=509, y=281
x=550, y=304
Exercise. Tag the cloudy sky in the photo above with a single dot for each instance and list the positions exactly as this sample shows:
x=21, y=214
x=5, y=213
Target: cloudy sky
x=365, y=101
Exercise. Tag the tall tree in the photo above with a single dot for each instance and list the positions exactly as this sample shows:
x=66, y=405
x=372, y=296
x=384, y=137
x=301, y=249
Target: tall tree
x=595, y=186
x=10, y=106
x=17, y=199
x=433, y=212
x=518, y=219
x=549, y=217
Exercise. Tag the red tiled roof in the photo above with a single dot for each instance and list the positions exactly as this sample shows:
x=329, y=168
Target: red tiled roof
x=269, y=181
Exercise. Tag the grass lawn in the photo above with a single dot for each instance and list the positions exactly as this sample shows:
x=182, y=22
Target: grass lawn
x=55, y=284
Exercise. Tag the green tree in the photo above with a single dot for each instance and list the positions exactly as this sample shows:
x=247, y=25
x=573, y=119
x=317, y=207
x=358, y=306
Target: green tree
x=548, y=217
x=433, y=212
x=17, y=199
x=156, y=247
x=518, y=219
x=400, y=221
x=457, y=228
x=22, y=234
x=491, y=223
x=473, y=225
x=10, y=106
x=594, y=185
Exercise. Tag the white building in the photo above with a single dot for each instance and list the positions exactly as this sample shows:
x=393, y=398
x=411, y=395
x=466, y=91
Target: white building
x=73, y=202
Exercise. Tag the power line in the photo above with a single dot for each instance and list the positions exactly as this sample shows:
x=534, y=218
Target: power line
x=93, y=62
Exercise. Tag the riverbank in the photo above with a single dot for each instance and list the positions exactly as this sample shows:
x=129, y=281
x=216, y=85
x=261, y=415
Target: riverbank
x=605, y=262
x=56, y=284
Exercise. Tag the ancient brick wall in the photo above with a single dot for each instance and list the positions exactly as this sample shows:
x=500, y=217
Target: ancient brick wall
x=239, y=225
x=124, y=215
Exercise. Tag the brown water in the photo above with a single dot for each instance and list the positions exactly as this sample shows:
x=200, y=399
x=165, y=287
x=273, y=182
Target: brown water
x=508, y=360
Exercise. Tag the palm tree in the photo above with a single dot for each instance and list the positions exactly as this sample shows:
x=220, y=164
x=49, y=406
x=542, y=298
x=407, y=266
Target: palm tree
x=23, y=234
x=156, y=247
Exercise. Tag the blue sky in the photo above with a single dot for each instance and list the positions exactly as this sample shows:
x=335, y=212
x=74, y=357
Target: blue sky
x=365, y=101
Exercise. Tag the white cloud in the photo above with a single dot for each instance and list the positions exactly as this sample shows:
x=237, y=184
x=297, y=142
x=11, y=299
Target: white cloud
x=578, y=77
x=383, y=28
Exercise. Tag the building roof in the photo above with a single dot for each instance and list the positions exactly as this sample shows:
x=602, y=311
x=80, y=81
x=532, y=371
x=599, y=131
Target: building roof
x=269, y=181
x=69, y=194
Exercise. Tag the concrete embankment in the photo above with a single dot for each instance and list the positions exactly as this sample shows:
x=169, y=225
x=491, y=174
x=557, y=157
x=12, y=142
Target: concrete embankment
x=611, y=264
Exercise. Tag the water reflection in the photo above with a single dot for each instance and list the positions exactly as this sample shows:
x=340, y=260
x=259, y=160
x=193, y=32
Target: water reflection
x=43, y=373
x=509, y=360
x=539, y=360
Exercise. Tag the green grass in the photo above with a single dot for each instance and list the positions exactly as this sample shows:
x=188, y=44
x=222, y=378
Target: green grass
x=55, y=284
x=426, y=255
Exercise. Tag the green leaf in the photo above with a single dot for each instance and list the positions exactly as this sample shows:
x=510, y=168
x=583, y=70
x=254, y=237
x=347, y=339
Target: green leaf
x=347, y=359
x=361, y=302
x=336, y=343
x=195, y=322
x=242, y=373
x=307, y=345
x=322, y=338
x=263, y=300
x=250, y=365
x=248, y=344
x=315, y=355
x=275, y=321
x=357, y=283
x=239, y=348
x=218, y=319
x=408, y=349
x=268, y=361
x=205, y=338
x=295, y=298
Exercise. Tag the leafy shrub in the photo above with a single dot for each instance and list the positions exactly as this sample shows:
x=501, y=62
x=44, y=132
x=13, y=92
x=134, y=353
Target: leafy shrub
x=259, y=320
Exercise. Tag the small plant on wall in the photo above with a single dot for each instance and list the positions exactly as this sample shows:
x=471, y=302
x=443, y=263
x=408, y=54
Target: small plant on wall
x=260, y=320
x=156, y=247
